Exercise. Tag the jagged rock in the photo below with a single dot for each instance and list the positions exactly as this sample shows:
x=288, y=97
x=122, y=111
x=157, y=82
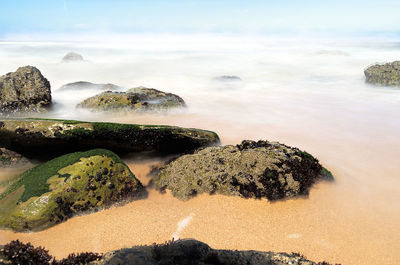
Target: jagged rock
x=196, y=253
x=9, y=158
x=251, y=170
x=65, y=186
x=88, y=85
x=41, y=138
x=384, y=74
x=72, y=57
x=135, y=99
x=24, y=90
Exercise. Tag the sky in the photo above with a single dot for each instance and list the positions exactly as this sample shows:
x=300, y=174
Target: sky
x=32, y=17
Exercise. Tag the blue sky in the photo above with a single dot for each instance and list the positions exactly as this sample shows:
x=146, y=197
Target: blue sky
x=228, y=16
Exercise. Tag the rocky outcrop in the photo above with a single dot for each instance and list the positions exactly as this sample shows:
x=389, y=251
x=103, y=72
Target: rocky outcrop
x=136, y=99
x=87, y=85
x=196, y=253
x=384, y=74
x=251, y=170
x=24, y=90
x=9, y=158
x=72, y=57
x=65, y=186
x=40, y=138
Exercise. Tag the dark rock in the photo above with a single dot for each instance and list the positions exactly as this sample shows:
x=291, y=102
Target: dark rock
x=24, y=90
x=251, y=170
x=41, y=138
x=384, y=74
x=135, y=99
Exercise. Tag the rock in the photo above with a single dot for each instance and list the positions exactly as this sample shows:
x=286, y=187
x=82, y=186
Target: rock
x=9, y=158
x=194, y=252
x=384, y=74
x=229, y=78
x=24, y=90
x=135, y=99
x=87, y=85
x=251, y=170
x=41, y=138
x=72, y=57
x=63, y=187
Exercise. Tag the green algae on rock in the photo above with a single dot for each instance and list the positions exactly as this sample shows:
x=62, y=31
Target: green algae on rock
x=384, y=74
x=65, y=186
x=251, y=170
x=136, y=99
x=194, y=252
x=24, y=90
x=39, y=138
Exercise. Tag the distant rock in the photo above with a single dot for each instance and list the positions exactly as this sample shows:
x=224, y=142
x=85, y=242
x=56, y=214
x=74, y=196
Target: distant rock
x=43, y=138
x=135, y=99
x=387, y=74
x=72, y=57
x=65, y=186
x=251, y=170
x=10, y=158
x=332, y=52
x=24, y=90
x=88, y=85
x=226, y=78
x=194, y=252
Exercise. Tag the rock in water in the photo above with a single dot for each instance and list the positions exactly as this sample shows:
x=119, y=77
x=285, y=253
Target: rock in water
x=135, y=99
x=251, y=170
x=87, y=85
x=194, y=252
x=384, y=74
x=38, y=138
x=24, y=90
x=63, y=187
x=72, y=57
x=9, y=158
x=228, y=78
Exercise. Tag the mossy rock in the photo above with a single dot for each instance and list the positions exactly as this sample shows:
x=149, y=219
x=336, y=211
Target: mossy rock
x=65, y=186
x=24, y=90
x=194, y=252
x=41, y=138
x=87, y=85
x=138, y=99
x=10, y=158
x=251, y=170
x=384, y=74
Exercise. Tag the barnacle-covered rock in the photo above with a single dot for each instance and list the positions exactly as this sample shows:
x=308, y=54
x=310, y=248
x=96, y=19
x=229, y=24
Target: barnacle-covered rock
x=65, y=186
x=251, y=170
x=384, y=74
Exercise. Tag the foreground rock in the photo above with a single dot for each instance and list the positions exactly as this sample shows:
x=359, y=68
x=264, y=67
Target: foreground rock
x=384, y=74
x=87, y=85
x=24, y=90
x=40, y=138
x=135, y=99
x=59, y=189
x=72, y=57
x=251, y=170
x=196, y=253
x=10, y=158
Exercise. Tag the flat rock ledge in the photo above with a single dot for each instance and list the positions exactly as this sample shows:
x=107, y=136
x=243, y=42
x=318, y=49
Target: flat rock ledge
x=251, y=170
x=41, y=138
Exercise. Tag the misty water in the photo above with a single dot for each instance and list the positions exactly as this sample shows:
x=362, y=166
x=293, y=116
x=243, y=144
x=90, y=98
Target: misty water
x=304, y=92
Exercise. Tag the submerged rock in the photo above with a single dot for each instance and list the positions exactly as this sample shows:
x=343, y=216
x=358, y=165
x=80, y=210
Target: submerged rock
x=72, y=57
x=251, y=170
x=48, y=138
x=65, y=186
x=10, y=158
x=384, y=74
x=135, y=99
x=24, y=90
x=225, y=78
x=88, y=85
x=196, y=253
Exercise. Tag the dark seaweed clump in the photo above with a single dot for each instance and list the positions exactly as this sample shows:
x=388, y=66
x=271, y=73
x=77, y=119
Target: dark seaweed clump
x=18, y=253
